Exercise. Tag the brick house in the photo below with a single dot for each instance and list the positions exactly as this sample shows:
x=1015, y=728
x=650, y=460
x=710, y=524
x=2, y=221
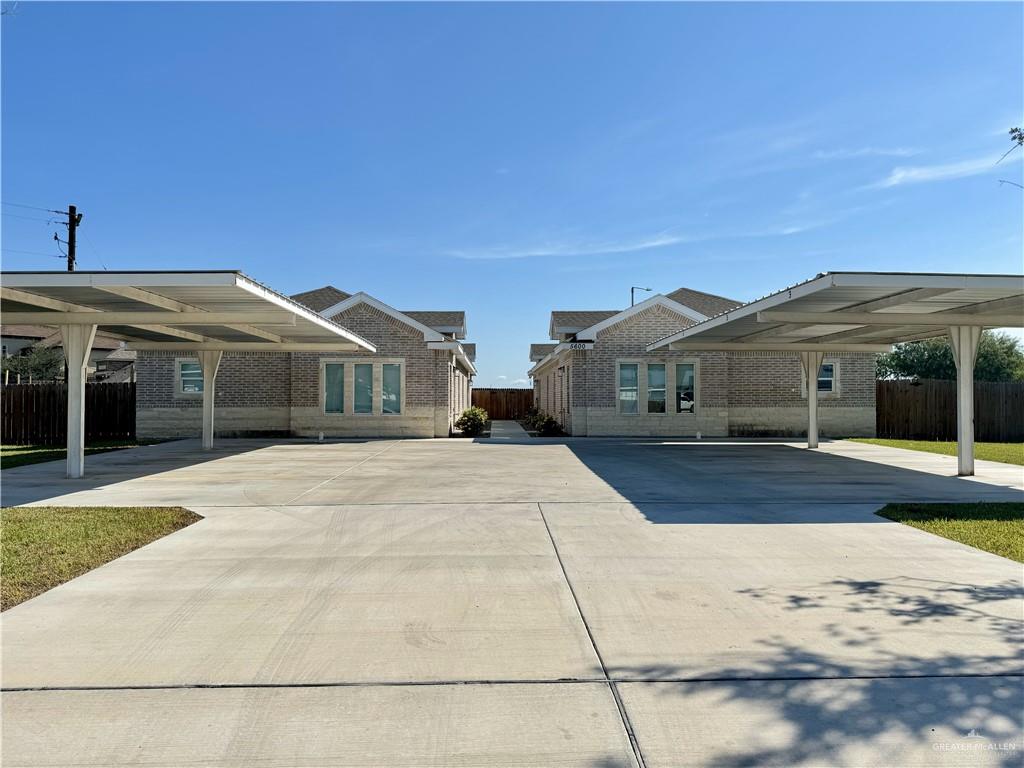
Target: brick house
x=598, y=378
x=415, y=385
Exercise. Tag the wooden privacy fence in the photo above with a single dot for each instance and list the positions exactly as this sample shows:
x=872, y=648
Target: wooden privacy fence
x=37, y=414
x=926, y=410
x=504, y=403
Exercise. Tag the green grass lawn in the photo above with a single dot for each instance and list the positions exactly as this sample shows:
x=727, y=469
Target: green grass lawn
x=42, y=547
x=1008, y=453
x=19, y=455
x=996, y=527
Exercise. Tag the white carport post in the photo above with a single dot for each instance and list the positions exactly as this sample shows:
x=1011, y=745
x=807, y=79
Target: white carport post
x=811, y=362
x=77, y=342
x=209, y=361
x=964, y=340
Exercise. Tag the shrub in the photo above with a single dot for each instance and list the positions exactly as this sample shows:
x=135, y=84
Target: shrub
x=472, y=421
x=547, y=426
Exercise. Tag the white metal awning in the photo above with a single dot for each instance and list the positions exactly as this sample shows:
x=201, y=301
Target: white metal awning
x=201, y=313
x=183, y=311
x=868, y=312
x=859, y=312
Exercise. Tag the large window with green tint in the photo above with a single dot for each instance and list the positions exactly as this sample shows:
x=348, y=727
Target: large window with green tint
x=391, y=388
x=334, y=388
x=190, y=377
x=363, y=394
x=686, y=393
x=628, y=388
x=656, y=388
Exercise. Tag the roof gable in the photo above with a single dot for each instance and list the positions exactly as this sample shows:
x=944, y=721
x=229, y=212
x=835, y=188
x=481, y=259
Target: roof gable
x=572, y=321
x=442, y=321
x=590, y=334
x=320, y=299
x=429, y=334
x=707, y=304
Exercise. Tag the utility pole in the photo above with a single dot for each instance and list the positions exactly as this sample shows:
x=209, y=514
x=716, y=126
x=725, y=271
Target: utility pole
x=74, y=219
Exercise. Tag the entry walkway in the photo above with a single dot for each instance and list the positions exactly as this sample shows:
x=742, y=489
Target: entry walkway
x=548, y=603
x=508, y=430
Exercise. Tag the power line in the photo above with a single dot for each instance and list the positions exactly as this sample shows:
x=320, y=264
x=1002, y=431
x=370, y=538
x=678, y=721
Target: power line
x=34, y=207
x=26, y=218
x=95, y=251
x=32, y=253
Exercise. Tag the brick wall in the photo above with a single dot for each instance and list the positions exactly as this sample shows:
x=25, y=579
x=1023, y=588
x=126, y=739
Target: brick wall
x=737, y=393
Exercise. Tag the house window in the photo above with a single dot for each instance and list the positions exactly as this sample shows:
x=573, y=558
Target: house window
x=334, y=388
x=363, y=399
x=391, y=388
x=686, y=393
x=656, y=388
x=628, y=383
x=827, y=377
x=190, y=377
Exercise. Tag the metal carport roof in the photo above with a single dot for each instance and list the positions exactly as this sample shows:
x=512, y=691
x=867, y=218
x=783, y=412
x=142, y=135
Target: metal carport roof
x=203, y=313
x=868, y=312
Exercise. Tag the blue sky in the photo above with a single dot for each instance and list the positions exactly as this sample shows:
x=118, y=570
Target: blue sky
x=513, y=159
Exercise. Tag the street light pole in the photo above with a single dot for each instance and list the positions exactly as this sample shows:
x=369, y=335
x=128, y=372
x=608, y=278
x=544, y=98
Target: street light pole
x=632, y=294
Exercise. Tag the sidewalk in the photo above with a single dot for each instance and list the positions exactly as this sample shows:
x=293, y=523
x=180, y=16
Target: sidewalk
x=507, y=430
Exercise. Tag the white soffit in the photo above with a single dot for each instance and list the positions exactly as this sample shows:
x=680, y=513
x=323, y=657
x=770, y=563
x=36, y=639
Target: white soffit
x=173, y=310
x=858, y=311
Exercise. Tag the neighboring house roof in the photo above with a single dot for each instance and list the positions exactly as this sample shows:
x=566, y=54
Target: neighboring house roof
x=320, y=299
x=100, y=342
x=540, y=351
x=121, y=353
x=576, y=320
x=48, y=336
x=706, y=303
x=442, y=321
x=26, y=331
x=470, y=350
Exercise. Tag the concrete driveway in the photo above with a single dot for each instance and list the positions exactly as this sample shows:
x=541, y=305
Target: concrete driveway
x=521, y=603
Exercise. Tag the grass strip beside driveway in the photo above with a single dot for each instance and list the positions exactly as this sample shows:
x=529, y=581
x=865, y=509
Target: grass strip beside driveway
x=20, y=455
x=1008, y=453
x=42, y=547
x=996, y=527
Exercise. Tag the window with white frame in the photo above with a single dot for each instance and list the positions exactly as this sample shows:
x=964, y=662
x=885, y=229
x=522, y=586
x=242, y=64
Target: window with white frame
x=334, y=387
x=655, y=388
x=190, y=377
x=827, y=378
x=629, y=388
x=391, y=388
x=686, y=389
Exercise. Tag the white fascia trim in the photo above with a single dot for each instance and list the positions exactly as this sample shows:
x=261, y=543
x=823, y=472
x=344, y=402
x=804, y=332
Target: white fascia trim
x=429, y=334
x=804, y=289
x=895, y=280
x=551, y=357
x=460, y=353
x=251, y=286
x=590, y=334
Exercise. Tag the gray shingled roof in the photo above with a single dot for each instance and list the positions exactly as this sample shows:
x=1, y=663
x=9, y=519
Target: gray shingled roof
x=443, y=321
x=706, y=303
x=470, y=350
x=577, y=320
x=539, y=351
x=320, y=299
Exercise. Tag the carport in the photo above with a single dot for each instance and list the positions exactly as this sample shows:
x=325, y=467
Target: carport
x=204, y=314
x=868, y=312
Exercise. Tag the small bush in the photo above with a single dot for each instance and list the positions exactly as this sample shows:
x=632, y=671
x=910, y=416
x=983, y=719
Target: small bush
x=547, y=426
x=472, y=421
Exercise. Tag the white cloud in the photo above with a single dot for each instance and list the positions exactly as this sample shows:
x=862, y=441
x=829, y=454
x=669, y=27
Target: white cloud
x=920, y=174
x=569, y=248
x=847, y=154
x=501, y=378
x=521, y=381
